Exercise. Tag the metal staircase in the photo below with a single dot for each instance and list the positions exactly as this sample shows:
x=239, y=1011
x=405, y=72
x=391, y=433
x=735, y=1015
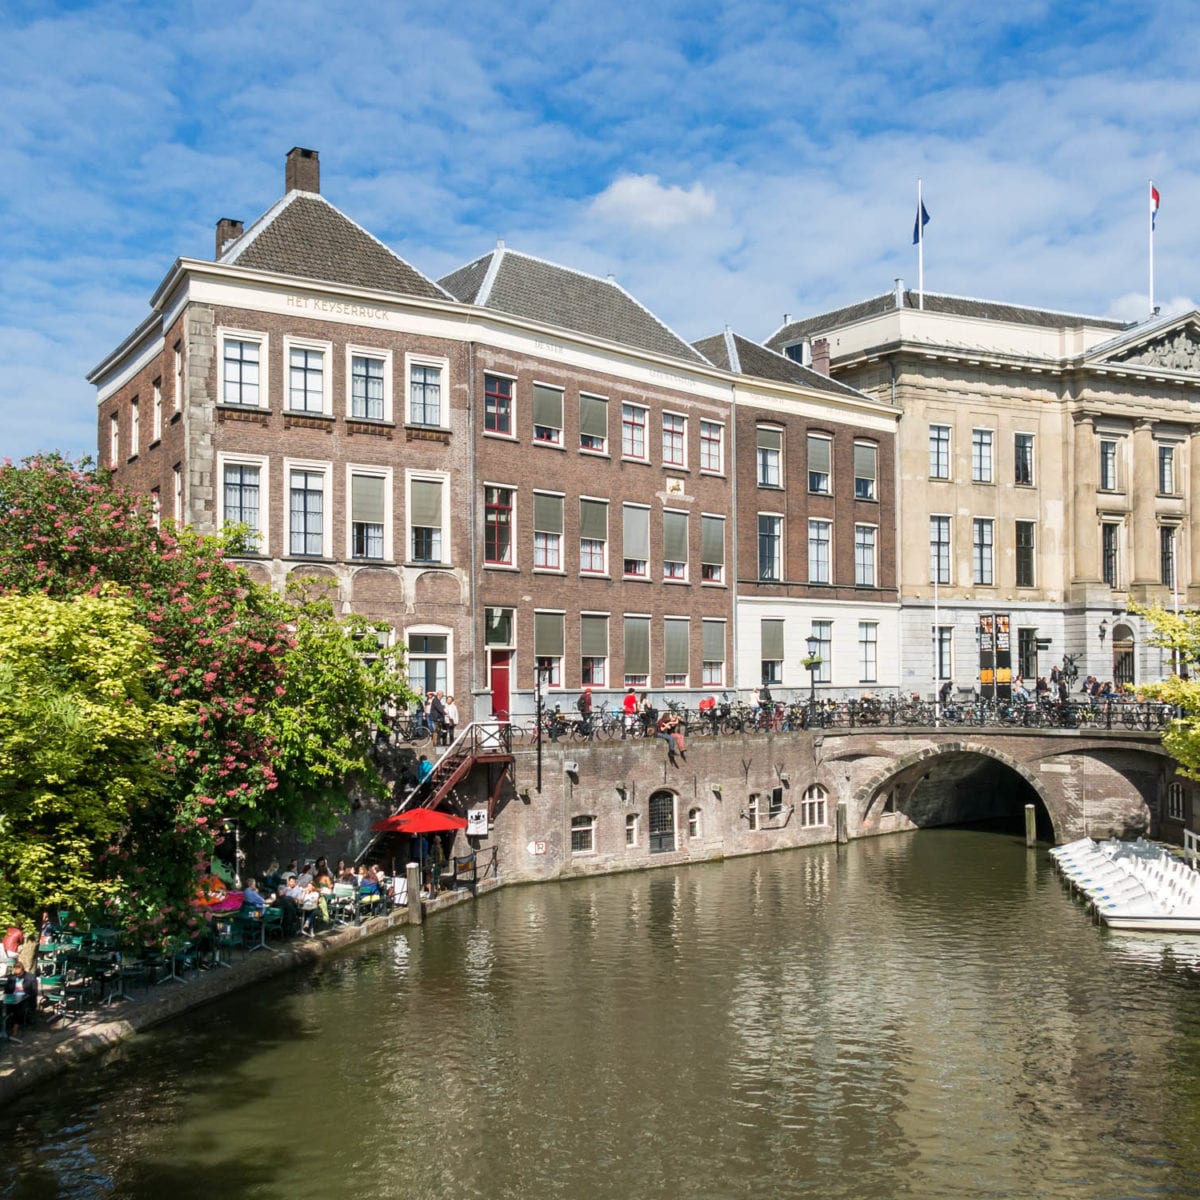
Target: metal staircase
x=482, y=743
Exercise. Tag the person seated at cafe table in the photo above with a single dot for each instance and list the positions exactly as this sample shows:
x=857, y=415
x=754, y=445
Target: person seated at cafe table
x=251, y=898
x=20, y=1012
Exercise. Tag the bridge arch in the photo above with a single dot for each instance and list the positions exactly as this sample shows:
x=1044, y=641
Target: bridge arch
x=956, y=782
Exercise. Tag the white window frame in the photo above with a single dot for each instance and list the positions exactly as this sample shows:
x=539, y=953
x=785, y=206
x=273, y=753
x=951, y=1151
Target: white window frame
x=645, y=411
x=1112, y=484
x=383, y=356
x=824, y=671
x=442, y=364
x=376, y=472
x=752, y=812
x=600, y=450
x=644, y=561
x=780, y=564
x=429, y=631
x=177, y=492
x=827, y=490
x=442, y=477
x=680, y=464
x=935, y=569
x=603, y=660
x=312, y=346
x=135, y=427
x=325, y=469
x=983, y=551
x=815, y=575
x=1033, y=475
x=709, y=678
x=695, y=822
x=868, y=651
x=685, y=575
x=768, y=462
x=814, y=807
x=262, y=462
x=177, y=350
x=156, y=507
x=584, y=823
x=873, y=490
x=560, y=441
x=263, y=342
x=949, y=452
x=632, y=830
x=156, y=415
x=603, y=570
x=719, y=426
x=1166, y=451
x=983, y=469
x=873, y=546
x=560, y=567
x=114, y=441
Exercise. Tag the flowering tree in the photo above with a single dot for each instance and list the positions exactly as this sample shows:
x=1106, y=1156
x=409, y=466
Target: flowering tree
x=279, y=700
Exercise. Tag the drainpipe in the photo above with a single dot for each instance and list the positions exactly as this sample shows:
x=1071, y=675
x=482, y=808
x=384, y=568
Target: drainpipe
x=733, y=550
x=471, y=590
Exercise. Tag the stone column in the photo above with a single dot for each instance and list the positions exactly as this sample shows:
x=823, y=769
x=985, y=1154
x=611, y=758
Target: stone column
x=1141, y=487
x=1082, y=496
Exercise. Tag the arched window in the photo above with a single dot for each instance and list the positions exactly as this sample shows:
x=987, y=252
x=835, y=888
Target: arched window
x=662, y=822
x=1122, y=652
x=814, y=807
x=693, y=822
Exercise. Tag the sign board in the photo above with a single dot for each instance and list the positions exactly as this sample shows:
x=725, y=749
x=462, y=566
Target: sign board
x=536, y=847
x=995, y=656
x=477, y=822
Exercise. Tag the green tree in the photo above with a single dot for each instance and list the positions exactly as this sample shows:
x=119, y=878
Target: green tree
x=1180, y=633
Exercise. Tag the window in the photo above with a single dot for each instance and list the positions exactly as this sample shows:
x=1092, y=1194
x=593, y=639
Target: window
x=636, y=540
x=770, y=547
x=864, y=555
x=820, y=534
x=498, y=405
x=823, y=632
x=866, y=469
x=155, y=507
x=368, y=387
x=676, y=651
x=593, y=424
x=770, y=457
x=114, y=440
x=712, y=549
x=498, y=526
x=242, y=370
x=135, y=428
x=713, y=653
x=633, y=431
x=307, y=512
x=1175, y=801
x=547, y=531
x=426, y=383
x=1025, y=555
x=1023, y=459
x=981, y=455
x=1166, y=470
x=428, y=661
x=631, y=829
x=751, y=813
x=156, y=413
x=583, y=835
x=712, y=447
x=306, y=379
x=498, y=626
x=425, y=517
x=177, y=489
x=775, y=804
x=547, y=415
x=178, y=377
x=241, y=485
x=1166, y=554
x=693, y=826
x=939, y=452
x=1027, y=663
x=637, y=651
x=814, y=807
x=548, y=647
x=593, y=649
x=820, y=467
x=674, y=440
x=943, y=652
x=939, y=549
x=368, y=515
x=1108, y=465
x=593, y=537
x=675, y=545
x=981, y=549
x=771, y=635
x=1109, y=538
x=868, y=651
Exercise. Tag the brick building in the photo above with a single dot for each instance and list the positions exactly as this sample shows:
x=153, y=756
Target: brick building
x=518, y=466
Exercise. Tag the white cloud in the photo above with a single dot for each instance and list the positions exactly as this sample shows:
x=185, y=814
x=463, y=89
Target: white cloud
x=640, y=200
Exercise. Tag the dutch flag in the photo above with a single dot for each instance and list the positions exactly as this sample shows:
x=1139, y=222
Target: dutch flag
x=1153, y=206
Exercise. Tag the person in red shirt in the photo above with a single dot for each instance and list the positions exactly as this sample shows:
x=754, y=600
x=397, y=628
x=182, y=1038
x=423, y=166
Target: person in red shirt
x=13, y=941
x=629, y=704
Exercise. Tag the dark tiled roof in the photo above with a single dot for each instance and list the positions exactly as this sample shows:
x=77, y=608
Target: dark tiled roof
x=553, y=295
x=959, y=306
x=756, y=360
x=307, y=237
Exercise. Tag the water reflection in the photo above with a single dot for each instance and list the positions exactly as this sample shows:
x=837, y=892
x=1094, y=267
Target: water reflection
x=921, y=1016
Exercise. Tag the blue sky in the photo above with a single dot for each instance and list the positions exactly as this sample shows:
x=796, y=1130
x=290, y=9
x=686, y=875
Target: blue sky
x=727, y=163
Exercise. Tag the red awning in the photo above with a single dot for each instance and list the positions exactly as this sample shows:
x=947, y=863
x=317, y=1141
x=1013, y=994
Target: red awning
x=420, y=820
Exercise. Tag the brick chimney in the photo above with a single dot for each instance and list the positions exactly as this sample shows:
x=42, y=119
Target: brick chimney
x=820, y=355
x=303, y=173
x=228, y=230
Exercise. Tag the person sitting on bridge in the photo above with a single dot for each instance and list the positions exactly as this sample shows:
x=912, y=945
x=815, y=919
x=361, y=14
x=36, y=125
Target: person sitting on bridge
x=1020, y=691
x=947, y=690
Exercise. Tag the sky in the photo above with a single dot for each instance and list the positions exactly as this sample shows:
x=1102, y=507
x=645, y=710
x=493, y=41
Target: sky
x=727, y=163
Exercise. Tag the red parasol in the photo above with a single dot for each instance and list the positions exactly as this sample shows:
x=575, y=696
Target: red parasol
x=420, y=820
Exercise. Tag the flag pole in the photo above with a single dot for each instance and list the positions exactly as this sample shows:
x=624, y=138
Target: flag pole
x=921, y=252
x=1151, y=234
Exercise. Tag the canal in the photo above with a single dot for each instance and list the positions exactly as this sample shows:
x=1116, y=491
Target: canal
x=928, y=1015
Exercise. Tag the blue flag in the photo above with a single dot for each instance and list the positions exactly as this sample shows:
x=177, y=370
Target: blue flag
x=920, y=223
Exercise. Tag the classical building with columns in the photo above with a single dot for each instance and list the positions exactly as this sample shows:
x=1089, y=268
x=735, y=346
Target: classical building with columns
x=1047, y=468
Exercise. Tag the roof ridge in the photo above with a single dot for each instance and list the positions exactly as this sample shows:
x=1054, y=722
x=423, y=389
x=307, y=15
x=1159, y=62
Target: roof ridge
x=242, y=244
x=735, y=359
x=1040, y=308
x=489, y=277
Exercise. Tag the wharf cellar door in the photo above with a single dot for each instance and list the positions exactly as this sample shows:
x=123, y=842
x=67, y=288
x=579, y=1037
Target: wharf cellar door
x=662, y=822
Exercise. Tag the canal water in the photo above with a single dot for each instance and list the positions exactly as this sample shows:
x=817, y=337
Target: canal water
x=928, y=1015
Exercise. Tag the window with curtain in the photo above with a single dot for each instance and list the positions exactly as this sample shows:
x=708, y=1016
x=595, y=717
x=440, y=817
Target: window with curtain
x=713, y=653
x=676, y=633
x=367, y=501
x=770, y=457
x=593, y=424
x=548, y=647
x=866, y=468
x=425, y=520
x=637, y=651
x=547, y=415
x=772, y=650
x=307, y=512
x=635, y=548
x=547, y=531
x=820, y=464
x=820, y=536
x=770, y=547
x=712, y=549
x=593, y=649
x=498, y=525
x=593, y=537
x=675, y=545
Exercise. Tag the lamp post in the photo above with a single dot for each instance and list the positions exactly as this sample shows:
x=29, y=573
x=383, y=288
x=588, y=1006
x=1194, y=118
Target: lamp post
x=539, y=673
x=811, y=663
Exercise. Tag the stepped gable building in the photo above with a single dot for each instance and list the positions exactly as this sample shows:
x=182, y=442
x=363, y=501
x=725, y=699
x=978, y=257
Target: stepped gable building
x=516, y=468
x=1049, y=465
x=815, y=507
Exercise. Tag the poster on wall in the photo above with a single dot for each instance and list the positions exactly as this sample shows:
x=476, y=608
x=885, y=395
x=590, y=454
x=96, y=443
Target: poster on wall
x=477, y=822
x=987, y=657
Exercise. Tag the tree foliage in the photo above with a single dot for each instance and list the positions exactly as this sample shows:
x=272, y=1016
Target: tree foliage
x=1180, y=633
x=278, y=699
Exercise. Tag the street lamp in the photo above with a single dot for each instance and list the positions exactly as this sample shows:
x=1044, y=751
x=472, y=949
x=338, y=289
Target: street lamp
x=812, y=662
x=539, y=673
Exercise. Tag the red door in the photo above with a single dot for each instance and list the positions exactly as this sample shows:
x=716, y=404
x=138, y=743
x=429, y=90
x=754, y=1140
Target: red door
x=499, y=682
